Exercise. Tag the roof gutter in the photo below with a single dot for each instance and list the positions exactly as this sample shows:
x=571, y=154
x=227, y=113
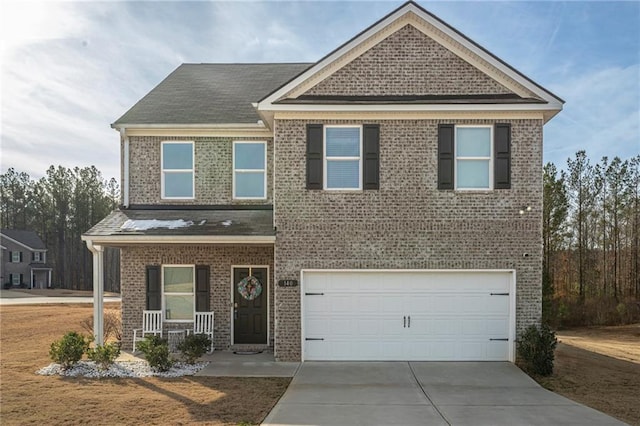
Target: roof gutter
x=177, y=239
x=259, y=125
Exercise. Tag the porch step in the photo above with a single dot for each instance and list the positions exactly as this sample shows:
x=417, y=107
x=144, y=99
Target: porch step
x=251, y=348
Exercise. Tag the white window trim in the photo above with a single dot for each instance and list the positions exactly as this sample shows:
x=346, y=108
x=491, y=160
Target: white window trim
x=15, y=279
x=193, y=294
x=456, y=158
x=325, y=159
x=163, y=171
x=255, y=171
x=13, y=258
x=37, y=256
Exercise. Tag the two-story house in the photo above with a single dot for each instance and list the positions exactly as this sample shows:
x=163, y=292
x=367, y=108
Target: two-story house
x=382, y=203
x=23, y=260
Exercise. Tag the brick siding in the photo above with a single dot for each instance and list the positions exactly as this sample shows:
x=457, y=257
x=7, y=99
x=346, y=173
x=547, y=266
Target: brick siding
x=134, y=260
x=408, y=63
x=408, y=223
x=213, y=170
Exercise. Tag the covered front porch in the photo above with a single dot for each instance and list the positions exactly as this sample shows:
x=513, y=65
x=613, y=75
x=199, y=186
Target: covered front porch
x=184, y=261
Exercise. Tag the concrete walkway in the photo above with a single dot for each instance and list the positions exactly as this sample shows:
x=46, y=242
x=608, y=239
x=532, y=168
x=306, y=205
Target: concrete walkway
x=424, y=393
x=12, y=297
x=228, y=364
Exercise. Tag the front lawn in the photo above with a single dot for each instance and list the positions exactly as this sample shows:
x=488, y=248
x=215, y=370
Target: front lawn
x=26, y=331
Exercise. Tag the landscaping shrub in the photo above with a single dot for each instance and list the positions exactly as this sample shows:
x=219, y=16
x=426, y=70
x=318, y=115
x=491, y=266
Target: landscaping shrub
x=194, y=346
x=536, y=349
x=69, y=349
x=104, y=355
x=156, y=352
x=111, y=327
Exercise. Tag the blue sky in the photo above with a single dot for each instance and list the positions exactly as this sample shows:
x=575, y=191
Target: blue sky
x=69, y=69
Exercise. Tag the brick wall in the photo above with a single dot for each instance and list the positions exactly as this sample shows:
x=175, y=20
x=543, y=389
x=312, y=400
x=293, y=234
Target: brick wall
x=408, y=223
x=408, y=63
x=213, y=170
x=133, y=263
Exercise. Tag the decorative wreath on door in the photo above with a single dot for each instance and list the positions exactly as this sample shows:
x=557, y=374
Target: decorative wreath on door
x=249, y=287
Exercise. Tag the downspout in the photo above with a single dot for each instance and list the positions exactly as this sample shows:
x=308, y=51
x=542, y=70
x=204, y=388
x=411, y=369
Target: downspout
x=125, y=167
x=98, y=291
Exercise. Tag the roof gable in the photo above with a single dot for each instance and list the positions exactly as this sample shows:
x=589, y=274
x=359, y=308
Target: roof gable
x=410, y=14
x=28, y=239
x=408, y=62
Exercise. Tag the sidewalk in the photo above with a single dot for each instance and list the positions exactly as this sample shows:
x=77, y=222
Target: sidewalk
x=38, y=297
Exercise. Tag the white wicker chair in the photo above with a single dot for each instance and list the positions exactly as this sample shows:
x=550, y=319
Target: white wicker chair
x=203, y=324
x=151, y=325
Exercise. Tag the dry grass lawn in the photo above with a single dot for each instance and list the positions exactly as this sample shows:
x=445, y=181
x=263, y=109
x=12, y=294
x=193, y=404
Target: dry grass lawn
x=600, y=367
x=26, y=333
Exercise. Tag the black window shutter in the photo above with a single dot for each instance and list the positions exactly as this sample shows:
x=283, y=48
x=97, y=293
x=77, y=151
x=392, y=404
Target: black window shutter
x=33, y=256
x=445, y=156
x=202, y=288
x=10, y=256
x=20, y=256
x=21, y=278
x=154, y=289
x=314, y=156
x=502, y=152
x=371, y=158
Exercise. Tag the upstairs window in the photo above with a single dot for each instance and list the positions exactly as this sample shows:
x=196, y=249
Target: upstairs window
x=473, y=158
x=177, y=170
x=38, y=256
x=16, y=256
x=343, y=157
x=178, y=289
x=250, y=170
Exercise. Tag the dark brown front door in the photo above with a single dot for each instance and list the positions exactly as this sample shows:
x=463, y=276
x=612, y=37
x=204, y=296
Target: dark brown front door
x=250, y=316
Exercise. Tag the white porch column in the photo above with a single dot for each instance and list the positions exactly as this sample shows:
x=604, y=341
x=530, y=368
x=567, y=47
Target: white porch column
x=49, y=280
x=31, y=284
x=98, y=291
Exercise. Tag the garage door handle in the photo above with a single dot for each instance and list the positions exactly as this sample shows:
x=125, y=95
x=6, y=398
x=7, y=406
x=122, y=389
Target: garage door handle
x=314, y=294
x=499, y=294
x=404, y=321
x=313, y=338
x=499, y=340
x=409, y=321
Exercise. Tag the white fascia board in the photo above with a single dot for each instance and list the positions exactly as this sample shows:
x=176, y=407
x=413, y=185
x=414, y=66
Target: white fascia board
x=554, y=102
x=171, y=239
x=412, y=107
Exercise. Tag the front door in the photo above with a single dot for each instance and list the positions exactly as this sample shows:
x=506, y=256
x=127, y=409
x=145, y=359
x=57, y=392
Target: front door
x=250, y=305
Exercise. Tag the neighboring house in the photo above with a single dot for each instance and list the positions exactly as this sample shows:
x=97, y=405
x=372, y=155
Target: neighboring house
x=387, y=200
x=24, y=260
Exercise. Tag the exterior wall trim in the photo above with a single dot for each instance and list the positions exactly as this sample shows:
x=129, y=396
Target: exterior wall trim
x=512, y=297
x=200, y=131
x=408, y=115
x=231, y=323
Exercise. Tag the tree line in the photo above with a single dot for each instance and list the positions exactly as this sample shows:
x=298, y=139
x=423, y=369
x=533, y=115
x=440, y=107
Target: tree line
x=591, y=236
x=60, y=207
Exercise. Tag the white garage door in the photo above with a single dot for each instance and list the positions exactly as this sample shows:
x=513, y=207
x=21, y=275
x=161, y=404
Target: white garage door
x=414, y=316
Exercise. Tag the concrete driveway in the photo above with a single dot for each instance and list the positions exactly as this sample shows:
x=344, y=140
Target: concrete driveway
x=424, y=393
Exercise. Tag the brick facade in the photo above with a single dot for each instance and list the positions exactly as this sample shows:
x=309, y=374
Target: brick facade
x=408, y=63
x=408, y=223
x=221, y=259
x=213, y=170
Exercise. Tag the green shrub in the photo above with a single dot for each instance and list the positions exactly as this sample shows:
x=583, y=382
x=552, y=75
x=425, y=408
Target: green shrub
x=104, y=355
x=194, y=346
x=156, y=352
x=536, y=349
x=69, y=350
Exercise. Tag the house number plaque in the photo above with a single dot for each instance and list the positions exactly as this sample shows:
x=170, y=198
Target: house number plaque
x=288, y=283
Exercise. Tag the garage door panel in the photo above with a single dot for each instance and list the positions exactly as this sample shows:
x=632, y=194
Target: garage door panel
x=365, y=316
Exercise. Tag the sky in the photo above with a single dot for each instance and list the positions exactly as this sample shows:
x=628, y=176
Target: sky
x=70, y=69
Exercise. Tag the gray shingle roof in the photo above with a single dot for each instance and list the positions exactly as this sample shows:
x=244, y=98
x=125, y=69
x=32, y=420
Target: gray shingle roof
x=210, y=94
x=198, y=222
x=28, y=238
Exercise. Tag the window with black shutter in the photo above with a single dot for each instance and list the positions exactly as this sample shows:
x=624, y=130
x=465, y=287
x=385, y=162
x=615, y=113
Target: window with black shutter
x=203, y=288
x=371, y=161
x=314, y=156
x=154, y=289
x=465, y=161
